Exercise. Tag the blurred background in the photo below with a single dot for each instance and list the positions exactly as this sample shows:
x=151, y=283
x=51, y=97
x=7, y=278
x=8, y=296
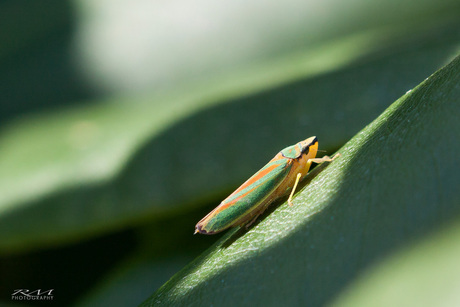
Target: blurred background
x=122, y=123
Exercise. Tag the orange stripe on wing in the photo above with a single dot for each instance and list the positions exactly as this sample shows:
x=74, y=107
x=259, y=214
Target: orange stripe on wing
x=224, y=205
x=247, y=185
x=257, y=176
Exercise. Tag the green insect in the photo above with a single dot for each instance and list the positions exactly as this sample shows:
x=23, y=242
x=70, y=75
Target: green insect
x=251, y=199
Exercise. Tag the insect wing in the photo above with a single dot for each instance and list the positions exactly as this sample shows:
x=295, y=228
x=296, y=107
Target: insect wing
x=248, y=197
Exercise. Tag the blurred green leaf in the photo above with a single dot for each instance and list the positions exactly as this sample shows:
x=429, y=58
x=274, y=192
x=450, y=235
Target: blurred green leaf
x=84, y=171
x=133, y=281
x=397, y=180
x=124, y=46
x=37, y=71
x=426, y=274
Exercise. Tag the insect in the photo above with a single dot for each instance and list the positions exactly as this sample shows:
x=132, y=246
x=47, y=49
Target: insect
x=251, y=199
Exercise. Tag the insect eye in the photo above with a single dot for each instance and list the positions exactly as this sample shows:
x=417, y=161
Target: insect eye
x=306, y=150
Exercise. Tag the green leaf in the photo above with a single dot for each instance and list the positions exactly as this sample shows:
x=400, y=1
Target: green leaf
x=424, y=274
x=397, y=180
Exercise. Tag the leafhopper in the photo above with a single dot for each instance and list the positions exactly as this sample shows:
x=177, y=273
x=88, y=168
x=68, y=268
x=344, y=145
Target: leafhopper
x=251, y=199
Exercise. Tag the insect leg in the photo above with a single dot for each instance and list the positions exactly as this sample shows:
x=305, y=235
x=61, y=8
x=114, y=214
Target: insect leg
x=309, y=162
x=252, y=221
x=323, y=159
x=259, y=213
x=293, y=188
